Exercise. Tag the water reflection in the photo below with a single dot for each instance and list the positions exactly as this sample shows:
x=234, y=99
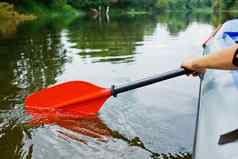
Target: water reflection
x=221, y=17
x=73, y=126
x=91, y=126
x=35, y=54
x=8, y=27
x=33, y=58
x=113, y=42
x=15, y=140
x=179, y=21
x=30, y=58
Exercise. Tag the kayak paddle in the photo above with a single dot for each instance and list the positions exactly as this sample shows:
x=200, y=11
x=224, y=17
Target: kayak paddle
x=86, y=98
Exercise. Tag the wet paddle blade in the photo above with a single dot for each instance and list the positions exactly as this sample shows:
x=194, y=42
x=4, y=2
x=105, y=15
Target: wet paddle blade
x=75, y=96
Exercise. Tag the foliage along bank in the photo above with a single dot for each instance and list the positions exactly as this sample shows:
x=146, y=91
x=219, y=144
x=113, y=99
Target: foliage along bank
x=7, y=11
x=43, y=8
x=74, y=7
x=106, y=5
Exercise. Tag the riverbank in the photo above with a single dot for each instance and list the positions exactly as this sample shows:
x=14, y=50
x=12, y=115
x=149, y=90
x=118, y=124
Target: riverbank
x=32, y=9
x=8, y=11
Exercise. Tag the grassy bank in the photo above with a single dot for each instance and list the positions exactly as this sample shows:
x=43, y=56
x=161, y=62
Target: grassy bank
x=11, y=16
x=8, y=11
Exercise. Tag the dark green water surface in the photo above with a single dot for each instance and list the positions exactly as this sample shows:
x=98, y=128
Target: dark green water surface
x=151, y=122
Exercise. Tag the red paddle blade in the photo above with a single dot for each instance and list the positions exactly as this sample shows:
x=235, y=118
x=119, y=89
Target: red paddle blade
x=75, y=96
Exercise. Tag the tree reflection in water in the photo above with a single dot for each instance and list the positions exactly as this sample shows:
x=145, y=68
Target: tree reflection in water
x=76, y=125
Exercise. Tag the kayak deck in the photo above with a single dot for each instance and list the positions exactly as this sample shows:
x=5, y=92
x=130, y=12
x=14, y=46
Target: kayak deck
x=218, y=105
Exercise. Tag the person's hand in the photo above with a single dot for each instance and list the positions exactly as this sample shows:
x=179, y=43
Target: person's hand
x=194, y=65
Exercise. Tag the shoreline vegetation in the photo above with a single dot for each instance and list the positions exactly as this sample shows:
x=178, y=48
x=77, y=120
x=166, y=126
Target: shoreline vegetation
x=10, y=18
x=13, y=12
x=32, y=9
x=8, y=11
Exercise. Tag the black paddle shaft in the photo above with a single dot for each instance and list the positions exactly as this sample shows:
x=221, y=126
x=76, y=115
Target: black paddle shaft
x=147, y=81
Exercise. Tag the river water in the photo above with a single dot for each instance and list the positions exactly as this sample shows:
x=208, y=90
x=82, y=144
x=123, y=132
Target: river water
x=151, y=122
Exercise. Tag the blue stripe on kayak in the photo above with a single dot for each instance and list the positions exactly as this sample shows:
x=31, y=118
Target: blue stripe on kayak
x=233, y=35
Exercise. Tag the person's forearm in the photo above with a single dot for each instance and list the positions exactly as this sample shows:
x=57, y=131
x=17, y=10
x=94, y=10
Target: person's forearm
x=219, y=60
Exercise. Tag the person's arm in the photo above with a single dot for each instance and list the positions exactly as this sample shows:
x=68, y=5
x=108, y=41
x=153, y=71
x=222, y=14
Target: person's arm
x=222, y=59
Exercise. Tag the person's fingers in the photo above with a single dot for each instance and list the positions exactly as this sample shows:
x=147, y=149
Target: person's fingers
x=189, y=66
x=186, y=65
x=186, y=68
x=199, y=72
x=195, y=74
x=195, y=71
